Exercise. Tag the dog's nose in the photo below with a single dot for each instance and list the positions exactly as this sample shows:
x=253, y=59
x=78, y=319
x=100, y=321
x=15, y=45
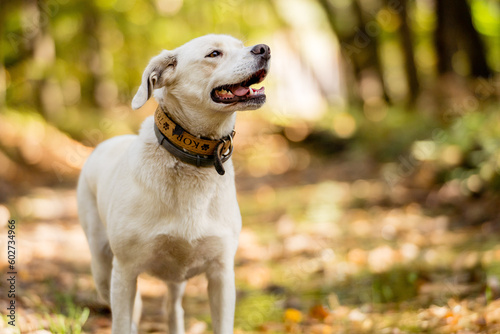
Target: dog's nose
x=261, y=50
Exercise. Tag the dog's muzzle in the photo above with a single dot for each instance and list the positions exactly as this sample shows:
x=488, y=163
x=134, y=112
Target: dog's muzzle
x=241, y=92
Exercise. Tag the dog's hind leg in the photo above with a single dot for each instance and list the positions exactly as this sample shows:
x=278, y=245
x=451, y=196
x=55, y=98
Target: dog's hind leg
x=102, y=257
x=175, y=313
x=137, y=312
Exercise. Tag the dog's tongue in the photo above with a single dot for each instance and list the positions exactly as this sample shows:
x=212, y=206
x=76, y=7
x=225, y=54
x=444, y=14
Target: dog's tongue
x=240, y=90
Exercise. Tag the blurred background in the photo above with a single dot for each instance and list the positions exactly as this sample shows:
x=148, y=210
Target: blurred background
x=369, y=183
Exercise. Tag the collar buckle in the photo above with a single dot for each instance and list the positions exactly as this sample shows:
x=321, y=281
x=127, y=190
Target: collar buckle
x=223, y=153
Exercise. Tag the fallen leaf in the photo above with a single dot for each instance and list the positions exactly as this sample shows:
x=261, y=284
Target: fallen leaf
x=293, y=315
x=319, y=312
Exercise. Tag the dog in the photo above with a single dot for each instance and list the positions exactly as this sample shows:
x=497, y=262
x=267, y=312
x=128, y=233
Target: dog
x=164, y=201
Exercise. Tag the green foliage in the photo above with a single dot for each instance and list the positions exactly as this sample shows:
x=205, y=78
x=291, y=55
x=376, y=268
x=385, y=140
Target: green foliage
x=256, y=309
x=486, y=16
x=70, y=320
x=71, y=323
x=394, y=134
x=462, y=145
x=62, y=315
x=469, y=150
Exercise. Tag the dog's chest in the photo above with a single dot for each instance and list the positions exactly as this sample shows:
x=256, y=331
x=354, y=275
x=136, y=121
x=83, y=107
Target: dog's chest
x=176, y=259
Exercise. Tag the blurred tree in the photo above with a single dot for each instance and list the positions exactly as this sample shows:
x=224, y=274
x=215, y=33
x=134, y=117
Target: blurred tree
x=359, y=46
x=455, y=31
x=3, y=74
x=41, y=47
x=355, y=25
x=92, y=56
x=408, y=51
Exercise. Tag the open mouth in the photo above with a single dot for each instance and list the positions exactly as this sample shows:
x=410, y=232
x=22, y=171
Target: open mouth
x=241, y=92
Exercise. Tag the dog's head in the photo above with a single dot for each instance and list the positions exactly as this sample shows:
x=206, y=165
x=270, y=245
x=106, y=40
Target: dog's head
x=212, y=72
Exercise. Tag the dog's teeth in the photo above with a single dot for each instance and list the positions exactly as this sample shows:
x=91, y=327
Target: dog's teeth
x=224, y=93
x=251, y=90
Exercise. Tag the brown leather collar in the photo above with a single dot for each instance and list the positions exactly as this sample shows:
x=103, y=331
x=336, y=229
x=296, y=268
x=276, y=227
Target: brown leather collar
x=200, y=152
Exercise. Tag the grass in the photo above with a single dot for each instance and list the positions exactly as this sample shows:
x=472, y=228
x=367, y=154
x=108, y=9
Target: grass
x=70, y=323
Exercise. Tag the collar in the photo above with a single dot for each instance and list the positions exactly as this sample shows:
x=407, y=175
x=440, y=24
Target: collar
x=197, y=151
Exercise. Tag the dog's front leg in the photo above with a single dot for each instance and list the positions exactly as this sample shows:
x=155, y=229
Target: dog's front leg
x=175, y=313
x=123, y=292
x=222, y=296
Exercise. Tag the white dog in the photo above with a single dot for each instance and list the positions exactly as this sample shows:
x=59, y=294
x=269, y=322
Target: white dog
x=164, y=202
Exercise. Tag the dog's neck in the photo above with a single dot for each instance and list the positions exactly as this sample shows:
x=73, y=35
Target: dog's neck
x=202, y=123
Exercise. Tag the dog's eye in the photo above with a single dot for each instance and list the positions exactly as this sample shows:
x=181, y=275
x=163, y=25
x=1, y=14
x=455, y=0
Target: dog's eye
x=213, y=54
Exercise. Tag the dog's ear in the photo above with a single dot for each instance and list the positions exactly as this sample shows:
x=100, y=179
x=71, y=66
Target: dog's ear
x=155, y=76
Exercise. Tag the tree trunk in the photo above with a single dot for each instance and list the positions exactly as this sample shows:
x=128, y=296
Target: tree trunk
x=360, y=49
x=371, y=59
x=471, y=41
x=32, y=34
x=353, y=76
x=456, y=31
x=444, y=38
x=93, y=54
x=408, y=52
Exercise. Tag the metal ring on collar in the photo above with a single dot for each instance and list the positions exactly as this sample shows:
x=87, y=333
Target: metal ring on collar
x=226, y=156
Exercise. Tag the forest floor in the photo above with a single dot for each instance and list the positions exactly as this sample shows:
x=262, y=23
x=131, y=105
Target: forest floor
x=321, y=251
